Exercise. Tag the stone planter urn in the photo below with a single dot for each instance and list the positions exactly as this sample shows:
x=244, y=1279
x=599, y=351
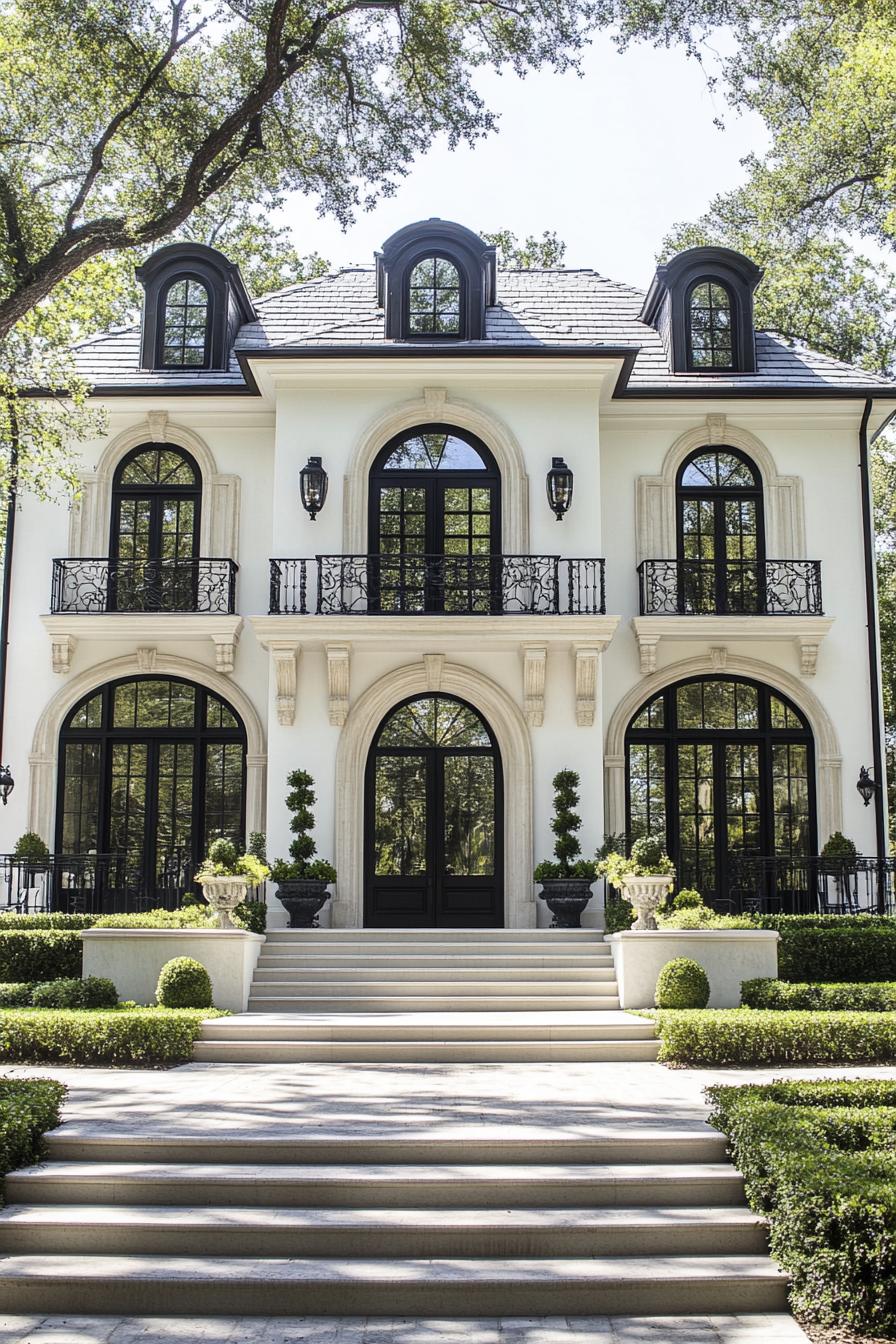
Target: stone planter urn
x=302, y=898
x=224, y=894
x=646, y=894
x=566, y=898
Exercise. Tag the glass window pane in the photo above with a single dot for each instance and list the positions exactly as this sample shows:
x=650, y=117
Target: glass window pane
x=434, y=297
x=400, y=816
x=88, y=715
x=469, y=816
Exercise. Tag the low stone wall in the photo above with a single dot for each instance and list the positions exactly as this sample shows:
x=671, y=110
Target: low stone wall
x=133, y=958
x=728, y=956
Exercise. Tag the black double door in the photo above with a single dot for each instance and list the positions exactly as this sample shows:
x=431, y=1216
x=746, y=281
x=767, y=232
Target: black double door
x=434, y=823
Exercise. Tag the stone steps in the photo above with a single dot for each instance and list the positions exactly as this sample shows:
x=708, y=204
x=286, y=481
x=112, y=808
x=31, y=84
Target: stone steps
x=430, y=1026
x=398, y=1002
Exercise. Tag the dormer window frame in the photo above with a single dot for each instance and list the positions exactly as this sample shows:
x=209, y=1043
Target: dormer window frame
x=162, y=323
x=433, y=254
x=719, y=283
x=666, y=307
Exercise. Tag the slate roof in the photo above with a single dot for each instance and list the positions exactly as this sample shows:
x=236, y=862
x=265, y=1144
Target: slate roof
x=535, y=309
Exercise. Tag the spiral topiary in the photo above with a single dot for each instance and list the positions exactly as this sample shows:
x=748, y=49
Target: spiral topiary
x=184, y=983
x=299, y=801
x=682, y=983
x=565, y=825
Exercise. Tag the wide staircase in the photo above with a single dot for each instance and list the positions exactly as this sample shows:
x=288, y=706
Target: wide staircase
x=491, y=1223
x=430, y=995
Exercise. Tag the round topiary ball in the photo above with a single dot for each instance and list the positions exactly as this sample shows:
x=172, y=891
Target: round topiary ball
x=184, y=983
x=682, y=983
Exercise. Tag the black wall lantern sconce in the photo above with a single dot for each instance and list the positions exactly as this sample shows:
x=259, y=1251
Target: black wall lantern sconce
x=7, y=783
x=867, y=785
x=559, y=484
x=313, y=483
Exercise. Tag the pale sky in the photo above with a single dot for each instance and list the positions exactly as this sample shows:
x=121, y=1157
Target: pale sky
x=609, y=161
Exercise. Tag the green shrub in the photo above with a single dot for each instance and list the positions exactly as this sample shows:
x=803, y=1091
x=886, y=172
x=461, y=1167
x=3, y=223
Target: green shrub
x=866, y=954
x=688, y=899
x=740, y=1036
x=34, y=954
x=819, y=1160
x=838, y=846
x=28, y=1107
x=251, y=915
x=30, y=846
x=619, y=914
x=92, y=992
x=16, y=994
x=783, y=994
x=682, y=983
x=68, y=923
x=302, y=866
x=184, y=983
x=119, y=1036
x=566, y=824
x=191, y=917
x=702, y=917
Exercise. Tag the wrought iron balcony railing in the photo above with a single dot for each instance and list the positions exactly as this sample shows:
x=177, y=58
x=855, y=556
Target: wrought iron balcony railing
x=99, y=585
x=91, y=884
x=730, y=588
x=811, y=884
x=430, y=585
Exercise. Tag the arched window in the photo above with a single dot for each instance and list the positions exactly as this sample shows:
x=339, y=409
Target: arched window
x=185, y=326
x=723, y=768
x=434, y=298
x=156, y=498
x=151, y=769
x=434, y=818
x=435, y=522
x=721, y=535
x=711, y=327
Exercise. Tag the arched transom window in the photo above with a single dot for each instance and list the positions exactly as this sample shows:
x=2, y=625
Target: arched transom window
x=434, y=298
x=722, y=768
x=185, y=325
x=721, y=544
x=156, y=498
x=710, y=326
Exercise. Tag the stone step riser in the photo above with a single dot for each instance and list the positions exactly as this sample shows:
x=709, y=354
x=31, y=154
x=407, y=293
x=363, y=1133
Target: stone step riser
x=400, y=937
x=417, y=1003
x=351, y=1032
x=165, y=1237
x=448, y=965
x=271, y=1191
x=422, y=1052
x=496, y=975
x=626, y=1147
x=548, y=1294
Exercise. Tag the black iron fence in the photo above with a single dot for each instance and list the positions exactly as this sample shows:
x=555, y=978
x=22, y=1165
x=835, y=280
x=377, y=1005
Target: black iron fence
x=449, y=585
x=91, y=884
x=93, y=586
x=730, y=588
x=811, y=885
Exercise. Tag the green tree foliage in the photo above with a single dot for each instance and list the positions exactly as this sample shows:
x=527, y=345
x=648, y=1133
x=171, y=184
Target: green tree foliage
x=529, y=255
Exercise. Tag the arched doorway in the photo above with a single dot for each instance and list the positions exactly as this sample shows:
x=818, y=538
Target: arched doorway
x=434, y=523
x=151, y=769
x=724, y=769
x=433, y=819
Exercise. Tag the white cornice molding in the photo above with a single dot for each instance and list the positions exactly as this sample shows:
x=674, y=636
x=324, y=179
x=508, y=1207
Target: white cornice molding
x=142, y=630
x=437, y=634
x=804, y=632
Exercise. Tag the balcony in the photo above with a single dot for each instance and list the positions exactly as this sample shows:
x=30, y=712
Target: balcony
x=141, y=600
x=437, y=585
x=92, y=586
x=730, y=588
x=721, y=601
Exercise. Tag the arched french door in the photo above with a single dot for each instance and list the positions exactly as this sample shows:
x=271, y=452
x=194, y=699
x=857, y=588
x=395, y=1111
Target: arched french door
x=724, y=769
x=434, y=524
x=156, y=499
x=151, y=769
x=721, y=534
x=433, y=819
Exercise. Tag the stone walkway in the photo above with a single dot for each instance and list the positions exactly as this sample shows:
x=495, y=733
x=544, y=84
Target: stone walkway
x=451, y=1101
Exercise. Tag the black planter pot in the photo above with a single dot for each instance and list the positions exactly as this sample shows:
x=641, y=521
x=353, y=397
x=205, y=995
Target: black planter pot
x=566, y=898
x=303, y=898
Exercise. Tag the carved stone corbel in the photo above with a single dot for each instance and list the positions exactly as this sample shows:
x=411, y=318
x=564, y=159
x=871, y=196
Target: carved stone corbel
x=718, y=656
x=285, y=657
x=225, y=651
x=146, y=657
x=434, y=663
x=808, y=651
x=647, y=647
x=535, y=658
x=587, y=661
x=158, y=426
x=715, y=428
x=338, y=681
x=62, y=647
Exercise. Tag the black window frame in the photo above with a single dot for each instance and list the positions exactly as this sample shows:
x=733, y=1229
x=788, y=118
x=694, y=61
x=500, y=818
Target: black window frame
x=720, y=495
x=462, y=287
x=719, y=283
x=161, y=320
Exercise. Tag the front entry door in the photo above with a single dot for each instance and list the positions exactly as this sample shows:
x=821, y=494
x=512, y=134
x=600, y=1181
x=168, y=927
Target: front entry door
x=433, y=819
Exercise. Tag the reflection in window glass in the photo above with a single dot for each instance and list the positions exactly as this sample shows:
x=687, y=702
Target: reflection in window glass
x=647, y=789
x=185, y=325
x=434, y=450
x=717, y=469
x=157, y=466
x=400, y=816
x=711, y=337
x=469, y=816
x=434, y=721
x=434, y=298
x=88, y=715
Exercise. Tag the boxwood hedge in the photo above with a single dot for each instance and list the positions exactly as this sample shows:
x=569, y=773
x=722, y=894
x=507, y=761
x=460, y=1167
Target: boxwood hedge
x=819, y=1160
x=37, y=954
x=719, y=1036
x=119, y=1036
x=28, y=1107
x=783, y=994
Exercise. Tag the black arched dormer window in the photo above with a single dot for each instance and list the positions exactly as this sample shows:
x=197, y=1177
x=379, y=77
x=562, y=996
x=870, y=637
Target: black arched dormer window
x=435, y=280
x=711, y=326
x=701, y=303
x=195, y=304
x=154, y=543
x=721, y=534
x=184, y=324
x=435, y=298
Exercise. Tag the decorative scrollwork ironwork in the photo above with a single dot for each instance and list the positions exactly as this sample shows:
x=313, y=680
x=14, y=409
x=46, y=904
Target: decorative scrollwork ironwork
x=92, y=586
x=449, y=585
x=730, y=588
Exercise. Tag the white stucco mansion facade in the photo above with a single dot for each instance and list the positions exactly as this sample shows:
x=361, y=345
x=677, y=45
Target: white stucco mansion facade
x=690, y=635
